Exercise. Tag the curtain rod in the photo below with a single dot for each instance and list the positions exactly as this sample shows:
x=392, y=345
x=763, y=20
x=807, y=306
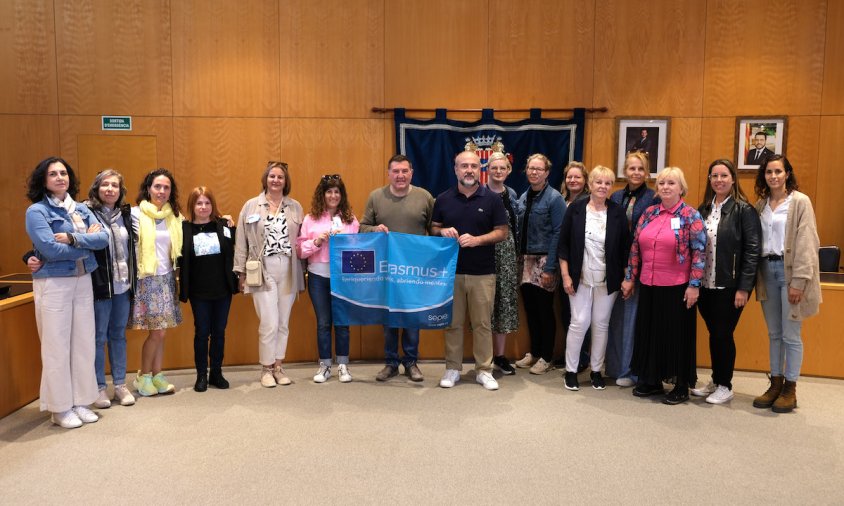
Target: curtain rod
x=558, y=109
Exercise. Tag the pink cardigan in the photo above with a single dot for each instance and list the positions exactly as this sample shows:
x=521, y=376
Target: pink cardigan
x=311, y=229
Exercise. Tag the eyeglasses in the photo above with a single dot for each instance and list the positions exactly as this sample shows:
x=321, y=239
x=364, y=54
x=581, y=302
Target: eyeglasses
x=331, y=177
x=535, y=169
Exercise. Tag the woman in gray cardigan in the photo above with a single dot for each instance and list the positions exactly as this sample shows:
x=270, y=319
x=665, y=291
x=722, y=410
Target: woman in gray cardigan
x=788, y=284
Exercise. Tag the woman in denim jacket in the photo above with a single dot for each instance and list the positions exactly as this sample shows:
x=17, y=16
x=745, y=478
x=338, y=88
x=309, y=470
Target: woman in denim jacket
x=540, y=215
x=63, y=234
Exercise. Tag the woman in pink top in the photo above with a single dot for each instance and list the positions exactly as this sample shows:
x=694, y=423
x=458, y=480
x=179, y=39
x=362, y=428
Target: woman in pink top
x=668, y=257
x=330, y=214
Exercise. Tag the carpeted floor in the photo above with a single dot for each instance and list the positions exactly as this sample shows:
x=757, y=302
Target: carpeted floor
x=402, y=442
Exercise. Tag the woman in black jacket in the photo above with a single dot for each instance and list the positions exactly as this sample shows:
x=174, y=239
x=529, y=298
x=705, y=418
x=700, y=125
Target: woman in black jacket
x=732, y=251
x=594, y=241
x=206, y=279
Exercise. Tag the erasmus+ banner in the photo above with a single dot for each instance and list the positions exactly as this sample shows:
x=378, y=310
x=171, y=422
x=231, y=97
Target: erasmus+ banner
x=394, y=279
x=432, y=144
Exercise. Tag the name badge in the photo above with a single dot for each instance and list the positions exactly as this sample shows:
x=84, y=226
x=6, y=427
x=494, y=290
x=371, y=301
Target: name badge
x=227, y=232
x=675, y=223
x=253, y=218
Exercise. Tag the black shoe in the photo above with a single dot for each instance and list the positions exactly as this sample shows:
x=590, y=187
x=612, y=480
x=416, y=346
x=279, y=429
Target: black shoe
x=597, y=380
x=644, y=390
x=571, y=381
x=503, y=365
x=201, y=384
x=678, y=395
x=217, y=380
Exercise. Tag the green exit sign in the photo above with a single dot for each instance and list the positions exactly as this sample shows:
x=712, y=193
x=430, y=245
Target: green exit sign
x=117, y=122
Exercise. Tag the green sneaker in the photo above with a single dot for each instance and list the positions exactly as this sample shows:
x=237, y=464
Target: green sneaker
x=164, y=387
x=143, y=384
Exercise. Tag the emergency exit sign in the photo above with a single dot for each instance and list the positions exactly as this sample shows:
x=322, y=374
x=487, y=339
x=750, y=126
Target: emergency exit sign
x=117, y=122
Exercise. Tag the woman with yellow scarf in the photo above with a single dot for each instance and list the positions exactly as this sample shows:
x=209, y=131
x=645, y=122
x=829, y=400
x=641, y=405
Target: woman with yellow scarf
x=158, y=228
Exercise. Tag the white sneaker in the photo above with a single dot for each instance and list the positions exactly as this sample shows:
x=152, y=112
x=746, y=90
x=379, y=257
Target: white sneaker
x=102, y=401
x=485, y=378
x=541, y=367
x=450, y=378
x=85, y=414
x=625, y=382
x=323, y=373
x=721, y=395
x=66, y=419
x=704, y=391
x=343, y=373
x=267, y=379
x=123, y=395
x=525, y=362
x=280, y=376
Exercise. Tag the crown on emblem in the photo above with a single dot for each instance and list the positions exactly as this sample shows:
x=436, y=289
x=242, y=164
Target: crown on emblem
x=485, y=140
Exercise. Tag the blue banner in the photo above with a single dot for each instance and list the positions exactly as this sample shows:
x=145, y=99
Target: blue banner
x=394, y=279
x=432, y=144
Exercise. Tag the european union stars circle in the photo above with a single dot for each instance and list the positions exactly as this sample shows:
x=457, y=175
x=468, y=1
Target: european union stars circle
x=358, y=262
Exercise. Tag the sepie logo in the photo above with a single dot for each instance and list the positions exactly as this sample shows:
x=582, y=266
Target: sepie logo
x=437, y=317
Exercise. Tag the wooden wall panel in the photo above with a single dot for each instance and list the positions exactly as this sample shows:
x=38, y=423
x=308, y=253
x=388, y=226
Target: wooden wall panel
x=832, y=101
x=540, y=53
x=226, y=154
x=603, y=141
x=684, y=152
x=830, y=181
x=27, y=57
x=351, y=148
x=649, y=57
x=131, y=155
x=436, y=53
x=802, y=151
x=24, y=141
x=159, y=127
x=332, y=57
x=114, y=57
x=225, y=58
x=764, y=59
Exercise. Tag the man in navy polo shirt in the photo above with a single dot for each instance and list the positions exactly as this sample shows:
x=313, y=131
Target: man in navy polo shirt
x=475, y=217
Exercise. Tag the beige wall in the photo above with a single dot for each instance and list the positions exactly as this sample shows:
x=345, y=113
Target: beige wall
x=217, y=88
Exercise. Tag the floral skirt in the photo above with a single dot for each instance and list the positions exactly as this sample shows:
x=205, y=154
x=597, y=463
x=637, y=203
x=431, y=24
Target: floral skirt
x=505, y=311
x=155, y=305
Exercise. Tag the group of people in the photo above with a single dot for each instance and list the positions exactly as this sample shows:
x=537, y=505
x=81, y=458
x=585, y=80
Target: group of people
x=632, y=266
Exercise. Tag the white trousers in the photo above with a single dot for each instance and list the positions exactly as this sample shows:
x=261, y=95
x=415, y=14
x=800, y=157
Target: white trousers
x=273, y=309
x=590, y=306
x=64, y=314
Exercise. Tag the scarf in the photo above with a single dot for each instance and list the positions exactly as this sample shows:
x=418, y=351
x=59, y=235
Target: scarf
x=69, y=205
x=119, y=266
x=147, y=261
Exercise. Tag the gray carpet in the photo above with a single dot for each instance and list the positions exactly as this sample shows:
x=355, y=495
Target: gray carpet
x=387, y=443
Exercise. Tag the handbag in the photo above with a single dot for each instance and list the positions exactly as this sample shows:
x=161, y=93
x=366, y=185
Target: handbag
x=255, y=271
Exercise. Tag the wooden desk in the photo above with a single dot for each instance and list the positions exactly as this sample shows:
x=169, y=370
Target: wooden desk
x=20, y=349
x=823, y=352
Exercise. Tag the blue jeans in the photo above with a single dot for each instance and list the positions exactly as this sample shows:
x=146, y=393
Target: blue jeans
x=409, y=344
x=210, y=317
x=786, y=346
x=110, y=318
x=620, y=341
x=319, y=289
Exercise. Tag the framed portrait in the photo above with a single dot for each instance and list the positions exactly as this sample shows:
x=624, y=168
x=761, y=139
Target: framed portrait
x=649, y=135
x=757, y=138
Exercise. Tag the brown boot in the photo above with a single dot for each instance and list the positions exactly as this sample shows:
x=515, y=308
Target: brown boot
x=787, y=400
x=767, y=399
